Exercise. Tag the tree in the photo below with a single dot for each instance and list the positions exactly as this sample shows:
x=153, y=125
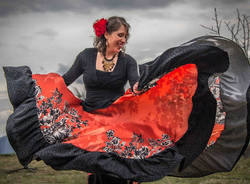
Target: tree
x=238, y=29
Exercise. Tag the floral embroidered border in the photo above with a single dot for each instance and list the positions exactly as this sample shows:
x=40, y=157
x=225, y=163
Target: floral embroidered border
x=214, y=86
x=136, y=149
x=56, y=125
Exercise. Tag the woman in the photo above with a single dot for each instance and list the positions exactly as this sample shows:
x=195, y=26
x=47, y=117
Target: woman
x=105, y=68
x=194, y=97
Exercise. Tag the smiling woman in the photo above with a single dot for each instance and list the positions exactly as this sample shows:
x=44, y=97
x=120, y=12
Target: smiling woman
x=188, y=116
x=105, y=68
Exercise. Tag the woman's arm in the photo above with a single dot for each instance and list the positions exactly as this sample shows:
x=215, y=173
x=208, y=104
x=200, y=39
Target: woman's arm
x=132, y=73
x=75, y=71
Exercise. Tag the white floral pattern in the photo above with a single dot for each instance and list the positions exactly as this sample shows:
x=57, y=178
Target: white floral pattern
x=53, y=120
x=214, y=86
x=136, y=149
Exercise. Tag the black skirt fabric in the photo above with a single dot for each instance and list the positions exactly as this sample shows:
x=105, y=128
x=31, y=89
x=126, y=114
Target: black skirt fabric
x=235, y=95
x=190, y=156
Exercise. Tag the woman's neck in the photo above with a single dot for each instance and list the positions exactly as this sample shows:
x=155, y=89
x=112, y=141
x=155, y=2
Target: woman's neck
x=109, y=53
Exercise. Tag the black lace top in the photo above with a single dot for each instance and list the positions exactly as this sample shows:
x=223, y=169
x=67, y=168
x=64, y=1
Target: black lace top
x=102, y=88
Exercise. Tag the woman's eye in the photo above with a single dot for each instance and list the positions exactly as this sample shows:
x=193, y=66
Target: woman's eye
x=120, y=34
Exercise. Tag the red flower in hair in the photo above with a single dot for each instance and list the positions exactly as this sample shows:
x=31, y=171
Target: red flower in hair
x=100, y=27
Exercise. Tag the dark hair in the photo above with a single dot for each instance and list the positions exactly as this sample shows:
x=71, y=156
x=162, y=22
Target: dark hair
x=113, y=24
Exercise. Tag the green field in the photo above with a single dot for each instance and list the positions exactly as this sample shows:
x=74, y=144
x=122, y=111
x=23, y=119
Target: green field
x=41, y=174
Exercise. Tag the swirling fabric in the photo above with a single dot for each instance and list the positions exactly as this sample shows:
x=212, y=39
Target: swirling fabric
x=192, y=118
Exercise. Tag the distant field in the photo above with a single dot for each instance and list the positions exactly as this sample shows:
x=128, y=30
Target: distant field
x=42, y=174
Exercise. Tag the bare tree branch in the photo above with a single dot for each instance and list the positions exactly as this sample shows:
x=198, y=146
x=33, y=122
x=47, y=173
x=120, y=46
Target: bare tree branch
x=243, y=22
x=215, y=30
x=218, y=23
x=238, y=22
x=239, y=31
x=211, y=29
x=231, y=30
x=246, y=18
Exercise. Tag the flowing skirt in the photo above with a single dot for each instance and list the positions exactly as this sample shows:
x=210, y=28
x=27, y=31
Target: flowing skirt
x=191, y=120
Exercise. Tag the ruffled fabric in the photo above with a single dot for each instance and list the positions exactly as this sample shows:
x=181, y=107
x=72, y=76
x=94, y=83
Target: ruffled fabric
x=234, y=94
x=23, y=129
x=181, y=125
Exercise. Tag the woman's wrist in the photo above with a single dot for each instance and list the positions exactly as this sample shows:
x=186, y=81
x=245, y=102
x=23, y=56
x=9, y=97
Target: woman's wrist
x=135, y=89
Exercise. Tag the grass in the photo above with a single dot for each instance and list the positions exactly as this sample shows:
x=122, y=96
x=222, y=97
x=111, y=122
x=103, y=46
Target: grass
x=43, y=174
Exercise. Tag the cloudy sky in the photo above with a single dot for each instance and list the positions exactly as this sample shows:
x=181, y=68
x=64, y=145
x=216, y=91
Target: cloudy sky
x=47, y=34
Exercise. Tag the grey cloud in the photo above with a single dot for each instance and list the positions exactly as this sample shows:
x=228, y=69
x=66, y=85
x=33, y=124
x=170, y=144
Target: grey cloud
x=26, y=6
x=24, y=47
x=220, y=3
x=80, y=6
x=2, y=44
x=142, y=56
x=48, y=33
x=133, y=4
x=41, y=68
x=25, y=37
x=225, y=2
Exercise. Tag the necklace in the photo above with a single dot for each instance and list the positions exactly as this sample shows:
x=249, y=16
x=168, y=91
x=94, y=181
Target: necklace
x=108, y=64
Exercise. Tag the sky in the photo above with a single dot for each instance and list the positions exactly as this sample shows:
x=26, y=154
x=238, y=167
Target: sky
x=46, y=35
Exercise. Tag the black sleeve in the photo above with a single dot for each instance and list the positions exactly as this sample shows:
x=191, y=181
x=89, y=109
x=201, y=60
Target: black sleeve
x=132, y=72
x=75, y=71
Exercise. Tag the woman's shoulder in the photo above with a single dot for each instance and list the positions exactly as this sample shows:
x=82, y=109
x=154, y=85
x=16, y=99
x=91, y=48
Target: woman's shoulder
x=128, y=58
x=88, y=51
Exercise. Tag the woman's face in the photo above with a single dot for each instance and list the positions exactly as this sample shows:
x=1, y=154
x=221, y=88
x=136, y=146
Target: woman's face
x=116, y=40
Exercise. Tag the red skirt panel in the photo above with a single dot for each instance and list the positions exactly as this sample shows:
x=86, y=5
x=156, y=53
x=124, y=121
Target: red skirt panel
x=134, y=126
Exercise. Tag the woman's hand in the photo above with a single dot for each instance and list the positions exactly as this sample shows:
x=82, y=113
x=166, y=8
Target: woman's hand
x=135, y=89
